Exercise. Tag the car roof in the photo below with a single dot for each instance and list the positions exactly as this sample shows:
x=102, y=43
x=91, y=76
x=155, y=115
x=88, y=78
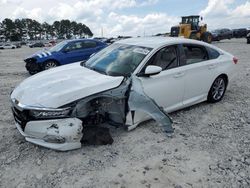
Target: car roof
x=76, y=40
x=156, y=42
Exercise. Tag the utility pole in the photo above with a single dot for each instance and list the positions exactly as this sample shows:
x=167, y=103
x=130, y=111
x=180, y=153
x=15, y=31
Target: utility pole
x=102, y=31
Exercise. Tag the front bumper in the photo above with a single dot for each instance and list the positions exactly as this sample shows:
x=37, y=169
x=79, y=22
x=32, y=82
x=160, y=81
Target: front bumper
x=58, y=134
x=32, y=65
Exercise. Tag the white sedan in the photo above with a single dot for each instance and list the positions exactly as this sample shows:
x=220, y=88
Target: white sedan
x=8, y=46
x=126, y=83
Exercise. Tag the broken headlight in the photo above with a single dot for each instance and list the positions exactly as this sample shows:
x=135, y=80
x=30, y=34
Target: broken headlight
x=57, y=113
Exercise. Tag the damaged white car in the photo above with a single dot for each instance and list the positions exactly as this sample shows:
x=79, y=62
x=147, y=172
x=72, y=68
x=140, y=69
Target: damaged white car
x=130, y=81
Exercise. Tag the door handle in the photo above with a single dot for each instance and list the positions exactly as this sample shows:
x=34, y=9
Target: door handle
x=211, y=66
x=179, y=74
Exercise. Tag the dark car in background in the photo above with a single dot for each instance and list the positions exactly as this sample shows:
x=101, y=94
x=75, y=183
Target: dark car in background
x=18, y=45
x=37, y=45
x=221, y=34
x=240, y=33
x=248, y=38
x=65, y=52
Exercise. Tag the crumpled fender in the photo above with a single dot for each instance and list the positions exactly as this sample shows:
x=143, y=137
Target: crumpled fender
x=139, y=101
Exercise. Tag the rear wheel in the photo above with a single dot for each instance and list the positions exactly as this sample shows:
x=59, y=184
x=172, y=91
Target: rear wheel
x=49, y=64
x=206, y=37
x=217, y=89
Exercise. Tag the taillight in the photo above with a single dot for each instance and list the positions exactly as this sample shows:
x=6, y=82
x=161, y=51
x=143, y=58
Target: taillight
x=235, y=60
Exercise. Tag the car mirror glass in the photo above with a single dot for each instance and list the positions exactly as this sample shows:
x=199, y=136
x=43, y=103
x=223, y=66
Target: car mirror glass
x=66, y=50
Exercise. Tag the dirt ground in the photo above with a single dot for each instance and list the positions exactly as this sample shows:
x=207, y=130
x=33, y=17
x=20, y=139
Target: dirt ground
x=210, y=146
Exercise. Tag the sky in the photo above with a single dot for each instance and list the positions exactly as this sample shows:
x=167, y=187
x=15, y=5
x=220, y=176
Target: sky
x=130, y=17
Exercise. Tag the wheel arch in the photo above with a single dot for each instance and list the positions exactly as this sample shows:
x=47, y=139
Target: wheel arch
x=224, y=76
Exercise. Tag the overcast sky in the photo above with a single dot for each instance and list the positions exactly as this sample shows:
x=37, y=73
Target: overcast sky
x=130, y=17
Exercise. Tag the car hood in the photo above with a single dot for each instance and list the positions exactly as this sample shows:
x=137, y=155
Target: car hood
x=59, y=86
x=41, y=54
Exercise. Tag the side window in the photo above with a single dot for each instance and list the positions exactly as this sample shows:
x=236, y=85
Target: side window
x=166, y=58
x=89, y=44
x=195, y=53
x=213, y=54
x=75, y=46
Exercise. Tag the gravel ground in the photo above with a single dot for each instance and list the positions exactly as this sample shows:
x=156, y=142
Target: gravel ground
x=210, y=147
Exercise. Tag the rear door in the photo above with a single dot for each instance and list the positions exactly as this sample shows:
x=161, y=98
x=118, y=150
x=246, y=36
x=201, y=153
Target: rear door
x=200, y=73
x=167, y=87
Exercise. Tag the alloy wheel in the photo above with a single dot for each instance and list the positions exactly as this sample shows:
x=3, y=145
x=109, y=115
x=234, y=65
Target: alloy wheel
x=49, y=65
x=218, y=89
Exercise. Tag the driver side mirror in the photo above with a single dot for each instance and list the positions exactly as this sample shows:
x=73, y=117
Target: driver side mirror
x=66, y=50
x=151, y=70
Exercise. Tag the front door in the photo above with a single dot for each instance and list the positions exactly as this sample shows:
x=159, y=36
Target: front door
x=79, y=51
x=167, y=87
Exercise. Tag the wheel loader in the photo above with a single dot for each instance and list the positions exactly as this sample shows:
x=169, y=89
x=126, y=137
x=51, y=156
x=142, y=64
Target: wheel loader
x=191, y=28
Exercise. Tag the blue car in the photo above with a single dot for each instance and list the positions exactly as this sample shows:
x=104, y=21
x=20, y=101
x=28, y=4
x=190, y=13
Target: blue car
x=65, y=52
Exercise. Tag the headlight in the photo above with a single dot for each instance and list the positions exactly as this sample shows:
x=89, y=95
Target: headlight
x=58, y=113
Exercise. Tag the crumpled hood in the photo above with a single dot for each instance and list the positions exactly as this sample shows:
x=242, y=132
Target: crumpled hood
x=59, y=86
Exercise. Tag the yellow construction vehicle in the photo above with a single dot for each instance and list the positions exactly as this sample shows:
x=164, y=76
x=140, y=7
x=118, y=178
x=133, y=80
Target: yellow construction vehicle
x=191, y=28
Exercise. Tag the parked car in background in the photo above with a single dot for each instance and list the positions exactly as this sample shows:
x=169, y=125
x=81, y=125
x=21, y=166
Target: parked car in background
x=52, y=42
x=47, y=44
x=65, y=52
x=36, y=45
x=18, y=45
x=248, y=38
x=240, y=33
x=8, y=46
x=221, y=34
x=128, y=82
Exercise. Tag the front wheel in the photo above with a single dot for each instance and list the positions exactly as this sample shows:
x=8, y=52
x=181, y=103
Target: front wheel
x=193, y=36
x=49, y=65
x=217, y=90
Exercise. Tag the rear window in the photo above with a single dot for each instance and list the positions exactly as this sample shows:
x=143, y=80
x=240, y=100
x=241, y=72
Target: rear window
x=213, y=54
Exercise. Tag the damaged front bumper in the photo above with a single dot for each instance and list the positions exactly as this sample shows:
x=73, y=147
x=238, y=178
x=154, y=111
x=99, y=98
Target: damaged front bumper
x=32, y=66
x=59, y=134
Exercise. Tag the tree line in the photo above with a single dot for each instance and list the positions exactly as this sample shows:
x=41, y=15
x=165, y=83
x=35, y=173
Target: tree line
x=29, y=29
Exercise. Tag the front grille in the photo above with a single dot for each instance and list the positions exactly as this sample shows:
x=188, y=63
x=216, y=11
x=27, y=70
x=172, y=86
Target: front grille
x=32, y=66
x=21, y=117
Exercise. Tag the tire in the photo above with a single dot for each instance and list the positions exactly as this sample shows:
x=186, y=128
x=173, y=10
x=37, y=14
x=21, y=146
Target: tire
x=49, y=64
x=206, y=37
x=217, y=90
x=33, y=72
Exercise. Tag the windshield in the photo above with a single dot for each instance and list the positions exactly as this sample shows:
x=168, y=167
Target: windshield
x=58, y=47
x=118, y=59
